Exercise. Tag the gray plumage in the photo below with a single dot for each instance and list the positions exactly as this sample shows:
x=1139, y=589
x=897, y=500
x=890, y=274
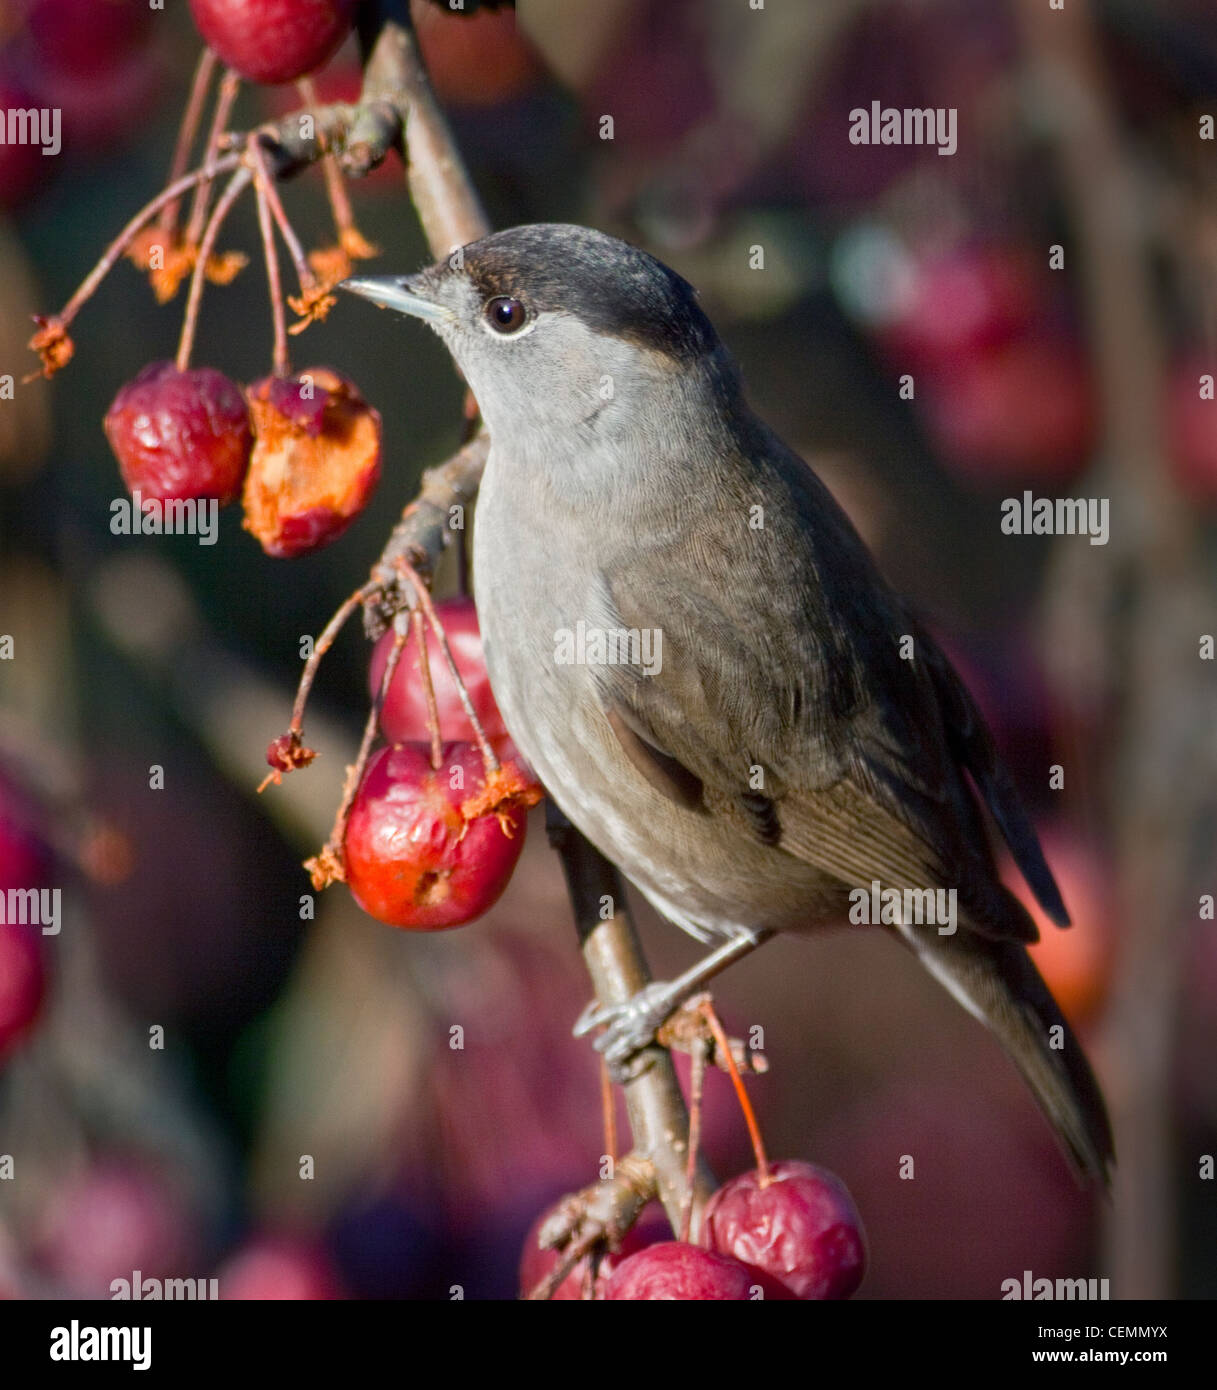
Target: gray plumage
x=785, y=751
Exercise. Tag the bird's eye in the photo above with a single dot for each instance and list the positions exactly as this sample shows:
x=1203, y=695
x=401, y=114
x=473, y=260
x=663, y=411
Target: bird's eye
x=505, y=315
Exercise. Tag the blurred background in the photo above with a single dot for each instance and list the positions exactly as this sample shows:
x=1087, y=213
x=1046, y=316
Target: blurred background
x=179, y=1151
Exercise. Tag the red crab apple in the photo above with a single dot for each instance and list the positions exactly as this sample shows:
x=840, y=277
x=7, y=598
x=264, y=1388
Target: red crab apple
x=674, y=1271
x=274, y=40
x=536, y=1263
x=801, y=1229
x=428, y=848
x=180, y=435
x=1025, y=409
x=315, y=461
x=403, y=716
x=961, y=301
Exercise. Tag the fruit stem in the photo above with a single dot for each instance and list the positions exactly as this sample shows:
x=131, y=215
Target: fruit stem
x=696, y=1092
x=608, y=1110
x=424, y=671
x=304, y=272
x=229, y=84
x=723, y=1044
x=332, y=856
x=322, y=645
x=489, y=758
x=232, y=191
x=280, y=361
x=187, y=131
x=335, y=187
x=120, y=243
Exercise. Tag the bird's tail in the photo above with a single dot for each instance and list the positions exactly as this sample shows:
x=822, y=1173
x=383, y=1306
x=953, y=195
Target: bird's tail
x=997, y=982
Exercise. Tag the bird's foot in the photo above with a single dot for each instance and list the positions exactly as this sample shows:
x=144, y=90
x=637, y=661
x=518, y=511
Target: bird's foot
x=630, y=1027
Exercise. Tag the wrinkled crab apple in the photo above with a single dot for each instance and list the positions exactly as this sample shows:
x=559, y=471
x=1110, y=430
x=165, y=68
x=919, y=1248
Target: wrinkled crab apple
x=180, y=435
x=403, y=716
x=674, y=1271
x=428, y=849
x=315, y=462
x=274, y=40
x=800, y=1229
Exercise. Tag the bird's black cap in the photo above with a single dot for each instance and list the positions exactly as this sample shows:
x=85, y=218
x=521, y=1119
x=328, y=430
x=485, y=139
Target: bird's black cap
x=610, y=285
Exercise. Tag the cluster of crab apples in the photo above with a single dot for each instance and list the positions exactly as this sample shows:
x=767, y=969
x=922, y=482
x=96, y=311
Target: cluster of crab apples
x=789, y=1232
x=432, y=832
x=302, y=451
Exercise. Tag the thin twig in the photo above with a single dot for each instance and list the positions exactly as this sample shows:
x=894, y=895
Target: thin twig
x=417, y=622
x=335, y=187
x=1138, y=617
x=489, y=757
x=328, y=635
x=113, y=253
x=235, y=187
x=697, y=1084
x=330, y=864
x=608, y=1110
x=304, y=272
x=187, y=131
x=723, y=1044
x=280, y=361
x=229, y=85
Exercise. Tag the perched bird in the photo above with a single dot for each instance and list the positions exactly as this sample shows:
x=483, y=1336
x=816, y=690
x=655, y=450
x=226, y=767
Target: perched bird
x=694, y=649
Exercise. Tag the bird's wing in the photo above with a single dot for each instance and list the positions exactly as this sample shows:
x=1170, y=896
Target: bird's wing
x=972, y=745
x=804, y=713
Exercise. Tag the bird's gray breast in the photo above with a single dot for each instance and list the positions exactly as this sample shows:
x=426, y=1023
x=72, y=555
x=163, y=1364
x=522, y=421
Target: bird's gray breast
x=539, y=567
x=536, y=580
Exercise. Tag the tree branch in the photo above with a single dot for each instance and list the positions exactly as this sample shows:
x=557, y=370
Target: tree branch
x=1132, y=613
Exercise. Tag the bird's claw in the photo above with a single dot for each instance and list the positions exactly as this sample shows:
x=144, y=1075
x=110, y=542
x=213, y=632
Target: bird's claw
x=629, y=1028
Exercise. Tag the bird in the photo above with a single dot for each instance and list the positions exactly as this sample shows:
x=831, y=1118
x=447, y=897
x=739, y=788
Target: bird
x=693, y=648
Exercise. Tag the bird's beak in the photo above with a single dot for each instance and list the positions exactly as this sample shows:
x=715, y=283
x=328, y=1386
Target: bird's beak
x=400, y=292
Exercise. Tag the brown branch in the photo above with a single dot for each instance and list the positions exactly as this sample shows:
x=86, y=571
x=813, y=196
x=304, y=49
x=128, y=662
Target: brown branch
x=1134, y=610
x=425, y=529
x=613, y=955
